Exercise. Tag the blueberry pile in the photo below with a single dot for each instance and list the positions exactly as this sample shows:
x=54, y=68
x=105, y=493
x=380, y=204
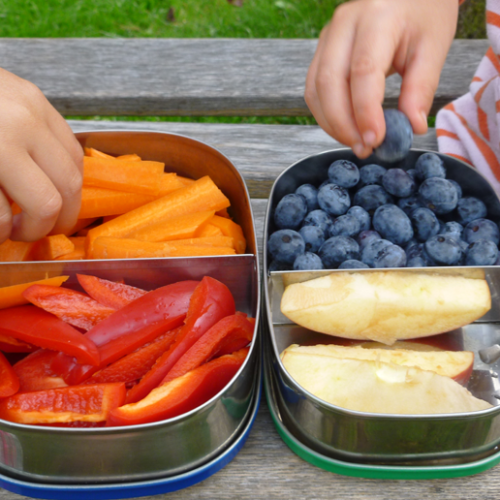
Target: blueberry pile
x=373, y=217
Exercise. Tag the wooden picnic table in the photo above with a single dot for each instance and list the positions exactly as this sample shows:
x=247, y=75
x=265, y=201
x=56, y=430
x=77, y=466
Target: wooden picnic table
x=239, y=77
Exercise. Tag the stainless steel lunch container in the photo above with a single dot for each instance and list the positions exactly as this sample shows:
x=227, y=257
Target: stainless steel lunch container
x=170, y=447
x=375, y=438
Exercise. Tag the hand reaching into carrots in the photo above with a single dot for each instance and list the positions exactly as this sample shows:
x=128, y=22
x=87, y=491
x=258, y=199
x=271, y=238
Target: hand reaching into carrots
x=41, y=164
x=366, y=41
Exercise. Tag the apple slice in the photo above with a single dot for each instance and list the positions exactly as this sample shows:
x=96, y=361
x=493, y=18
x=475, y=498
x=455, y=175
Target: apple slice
x=386, y=305
x=377, y=387
x=454, y=364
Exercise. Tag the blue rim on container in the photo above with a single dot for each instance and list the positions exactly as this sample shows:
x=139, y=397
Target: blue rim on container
x=139, y=488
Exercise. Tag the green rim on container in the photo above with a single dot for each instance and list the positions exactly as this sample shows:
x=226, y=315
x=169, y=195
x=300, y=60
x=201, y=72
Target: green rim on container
x=369, y=471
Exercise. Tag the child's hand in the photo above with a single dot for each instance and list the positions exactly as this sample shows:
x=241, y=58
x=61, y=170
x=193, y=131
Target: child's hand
x=41, y=164
x=366, y=41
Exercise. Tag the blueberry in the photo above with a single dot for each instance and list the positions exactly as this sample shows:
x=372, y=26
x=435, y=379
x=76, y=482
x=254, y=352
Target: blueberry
x=362, y=215
x=337, y=249
x=438, y=194
x=458, y=187
x=290, y=212
x=411, y=172
x=398, y=183
x=285, y=245
x=334, y=200
x=481, y=253
x=398, y=137
x=481, y=229
x=307, y=261
x=343, y=173
x=364, y=237
x=276, y=265
x=429, y=165
x=324, y=183
x=346, y=225
x=407, y=205
x=417, y=261
x=318, y=218
x=470, y=208
x=353, y=264
x=371, y=174
x=393, y=224
x=371, y=197
x=313, y=237
x=372, y=249
x=453, y=229
x=390, y=256
x=414, y=250
x=425, y=223
x=444, y=250
x=310, y=194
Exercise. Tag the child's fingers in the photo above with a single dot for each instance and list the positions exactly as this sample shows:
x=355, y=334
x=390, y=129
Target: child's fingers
x=5, y=217
x=38, y=199
x=58, y=165
x=375, y=44
x=420, y=81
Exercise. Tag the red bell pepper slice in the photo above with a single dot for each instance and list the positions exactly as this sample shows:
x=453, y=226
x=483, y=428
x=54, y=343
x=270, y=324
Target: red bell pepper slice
x=75, y=308
x=182, y=394
x=135, y=365
x=35, y=374
x=227, y=336
x=38, y=327
x=83, y=403
x=211, y=301
x=109, y=293
x=10, y=344
x=134, y=325
x=9, y=383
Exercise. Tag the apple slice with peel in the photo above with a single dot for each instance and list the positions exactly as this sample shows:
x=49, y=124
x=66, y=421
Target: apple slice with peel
x=386, y=305
x=454, y=364
x=377, y=387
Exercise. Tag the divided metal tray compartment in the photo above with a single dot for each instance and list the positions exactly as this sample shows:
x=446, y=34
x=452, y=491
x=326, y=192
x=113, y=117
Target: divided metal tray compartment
x=173, y=447
x=366, y=438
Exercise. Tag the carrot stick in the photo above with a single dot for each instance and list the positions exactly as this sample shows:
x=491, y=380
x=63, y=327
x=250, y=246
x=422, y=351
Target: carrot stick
x=170, y=182
x=132, y=157
x=208, y=230
x=94, y=153
x=176, y=228
x=78, y=253
x=186, y=181
x=81, y=224
x=223, y=213
x=141, y=177
x=202, y=195
x=15, y=251
x=123, y=248
x=211, y=241
x=230, y=228
x=51, y=247
x=12, y=295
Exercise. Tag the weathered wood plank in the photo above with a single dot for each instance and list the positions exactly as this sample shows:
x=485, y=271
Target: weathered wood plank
x=260, y=152
x=100, y=76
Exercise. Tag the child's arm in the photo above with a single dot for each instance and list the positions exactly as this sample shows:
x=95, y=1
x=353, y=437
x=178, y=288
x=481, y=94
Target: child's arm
x=366, y=41
x=41, y=163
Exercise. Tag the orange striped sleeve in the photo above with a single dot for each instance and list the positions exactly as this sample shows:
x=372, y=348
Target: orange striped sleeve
x=480, y=92
x=492, y=18
x=441, y=132
x=482, y=120
x=461, y=158
x=477, y=79
x=493, y=58
x=497, y=106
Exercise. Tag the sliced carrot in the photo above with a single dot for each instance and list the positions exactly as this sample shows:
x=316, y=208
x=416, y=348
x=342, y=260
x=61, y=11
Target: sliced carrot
x=186, y=181
x=99, y=202
x=78, y=253
x=208, y=230
x=170, y=182
x=132, y=157
x=223, y=213
x=230, y=228
x=81, y=224
x=13, y=295
x=15, y=251
x=202, y=195
x=107, y=218
x=184, y=226
x=123, y=248
x=211, y=241
x=94, y=153
x=52, y=247
x=141, y=177
x=84, y=231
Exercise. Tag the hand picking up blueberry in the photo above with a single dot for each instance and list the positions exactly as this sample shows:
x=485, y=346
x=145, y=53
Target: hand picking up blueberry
x=378, y=217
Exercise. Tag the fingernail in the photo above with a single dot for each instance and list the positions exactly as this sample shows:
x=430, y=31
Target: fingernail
x=358, y=149
x=369, y=138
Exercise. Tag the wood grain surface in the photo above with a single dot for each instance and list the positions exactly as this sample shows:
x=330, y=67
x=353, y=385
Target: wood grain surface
x=266, y=468
x=104, y=76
